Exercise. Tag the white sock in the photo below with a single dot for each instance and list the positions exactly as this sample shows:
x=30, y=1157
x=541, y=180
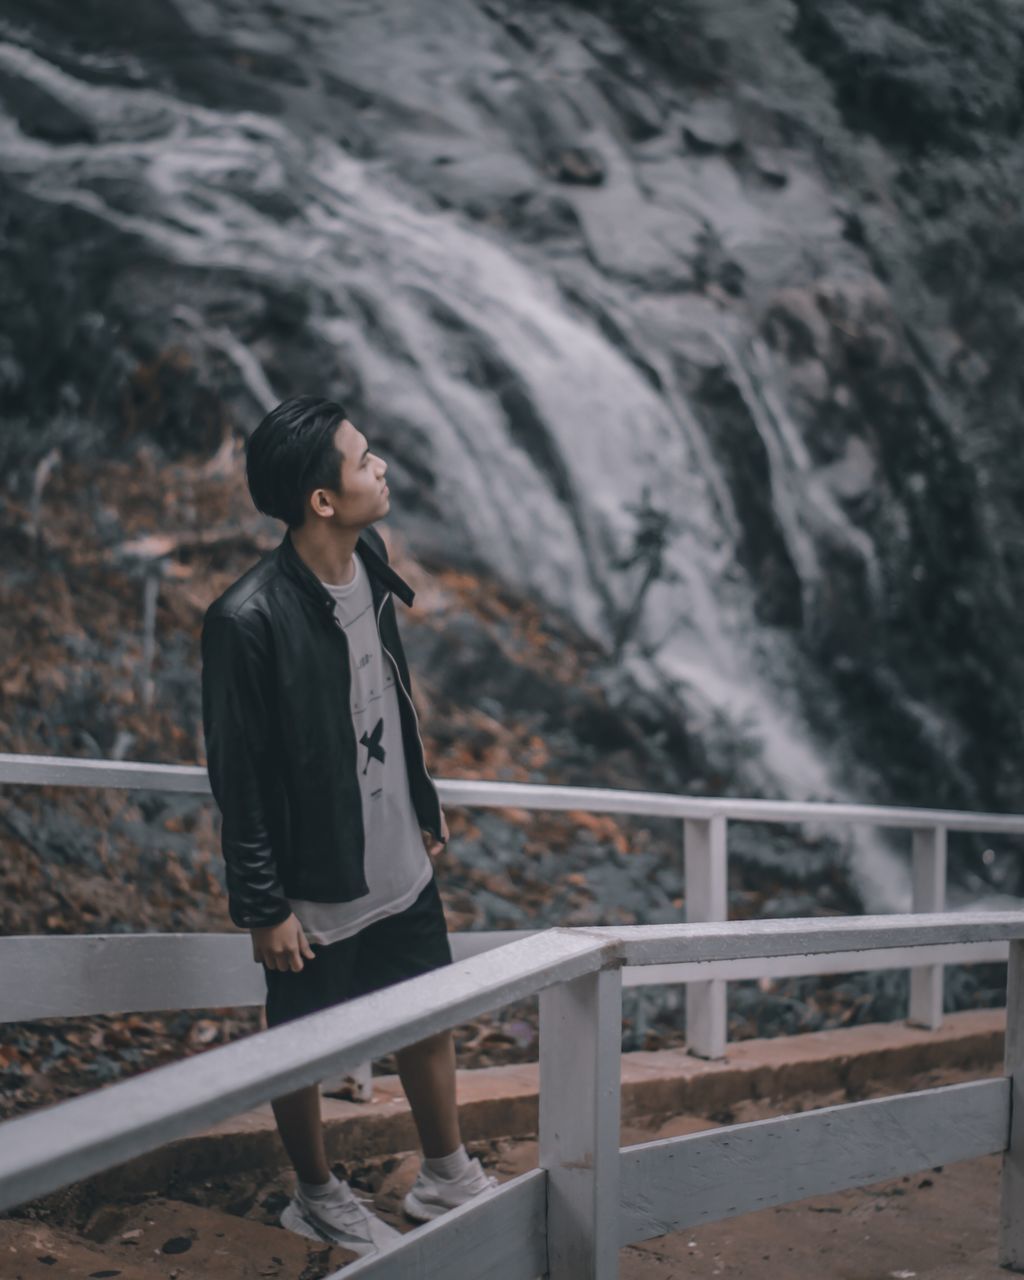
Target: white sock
x=449, y=1167
x=321, y=1190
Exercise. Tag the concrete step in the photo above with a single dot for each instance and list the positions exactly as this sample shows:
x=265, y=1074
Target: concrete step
x=497, y=1102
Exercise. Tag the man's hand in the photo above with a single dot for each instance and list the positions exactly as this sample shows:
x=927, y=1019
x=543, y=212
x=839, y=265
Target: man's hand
x=281, y=946
x=433, y=846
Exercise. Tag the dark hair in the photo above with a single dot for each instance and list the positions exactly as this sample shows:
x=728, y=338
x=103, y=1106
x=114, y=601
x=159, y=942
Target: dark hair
x=291, y=453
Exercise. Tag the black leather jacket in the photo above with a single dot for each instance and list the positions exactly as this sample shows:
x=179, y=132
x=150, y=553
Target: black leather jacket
x=280, y=745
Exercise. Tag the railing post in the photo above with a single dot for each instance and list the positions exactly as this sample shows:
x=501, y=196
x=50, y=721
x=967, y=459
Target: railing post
x=706, y=887
x=580, y=1085
x=929, y=894
x=1011, y=1214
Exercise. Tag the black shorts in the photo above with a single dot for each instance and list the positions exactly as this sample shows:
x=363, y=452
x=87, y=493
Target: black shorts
x=400, y=946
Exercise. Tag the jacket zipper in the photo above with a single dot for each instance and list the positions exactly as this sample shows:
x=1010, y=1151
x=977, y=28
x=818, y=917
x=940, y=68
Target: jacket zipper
x=412, y=705
x=398, y=681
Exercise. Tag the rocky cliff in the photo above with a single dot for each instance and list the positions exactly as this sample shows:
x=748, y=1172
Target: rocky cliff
x=693, y=325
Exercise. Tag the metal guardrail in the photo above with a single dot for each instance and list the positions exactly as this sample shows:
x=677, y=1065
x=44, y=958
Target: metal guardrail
x=568, y=1219
x=705, y=855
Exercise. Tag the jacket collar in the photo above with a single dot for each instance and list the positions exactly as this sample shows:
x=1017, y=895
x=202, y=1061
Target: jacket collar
x=382, y=576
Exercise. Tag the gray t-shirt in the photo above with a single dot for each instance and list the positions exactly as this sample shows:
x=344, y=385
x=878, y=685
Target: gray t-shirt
x=396, y=862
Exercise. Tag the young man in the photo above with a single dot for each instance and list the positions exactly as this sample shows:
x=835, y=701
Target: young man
x=330, y=817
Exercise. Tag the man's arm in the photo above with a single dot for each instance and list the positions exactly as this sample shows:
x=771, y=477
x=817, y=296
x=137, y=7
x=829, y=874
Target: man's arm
x=235, y=682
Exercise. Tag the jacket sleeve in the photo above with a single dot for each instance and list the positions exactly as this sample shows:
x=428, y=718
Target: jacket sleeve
x=235, y=681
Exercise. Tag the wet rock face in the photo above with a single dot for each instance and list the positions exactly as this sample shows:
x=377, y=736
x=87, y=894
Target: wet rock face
x=938, y=84
x=927, y=76
x=697, y=326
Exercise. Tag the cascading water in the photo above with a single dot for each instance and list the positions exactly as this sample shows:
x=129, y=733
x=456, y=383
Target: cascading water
x=524, y=264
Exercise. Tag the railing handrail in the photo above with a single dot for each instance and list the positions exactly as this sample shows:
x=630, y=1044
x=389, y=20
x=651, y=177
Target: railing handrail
x=67, y=771
x=99, y=1129
x=49, y=1149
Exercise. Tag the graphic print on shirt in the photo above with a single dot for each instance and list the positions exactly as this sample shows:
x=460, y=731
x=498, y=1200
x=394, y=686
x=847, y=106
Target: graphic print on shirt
x=371, y=741
x=365, y=692
x=394, y=857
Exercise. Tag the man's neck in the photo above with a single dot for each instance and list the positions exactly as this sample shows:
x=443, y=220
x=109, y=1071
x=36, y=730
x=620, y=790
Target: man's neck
x=327, y=551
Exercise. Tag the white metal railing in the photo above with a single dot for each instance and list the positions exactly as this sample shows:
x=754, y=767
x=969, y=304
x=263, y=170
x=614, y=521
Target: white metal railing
x=705, y=845
x=568, y=1219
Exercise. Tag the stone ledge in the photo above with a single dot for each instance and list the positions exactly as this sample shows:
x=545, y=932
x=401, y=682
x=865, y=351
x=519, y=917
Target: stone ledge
x=498, y=1102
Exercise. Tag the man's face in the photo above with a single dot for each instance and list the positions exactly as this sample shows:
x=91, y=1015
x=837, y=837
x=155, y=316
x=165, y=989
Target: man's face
x=364, y=495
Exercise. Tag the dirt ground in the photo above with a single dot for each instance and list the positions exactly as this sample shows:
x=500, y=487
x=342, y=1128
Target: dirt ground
x=937, y=1226
x=940, y=1224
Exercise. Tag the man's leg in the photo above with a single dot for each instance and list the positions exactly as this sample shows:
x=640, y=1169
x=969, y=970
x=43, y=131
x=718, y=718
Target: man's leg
x=301, y=1129
x=322, y=1206
x=447, y=1176
x=321, y=982
x=427, y=1072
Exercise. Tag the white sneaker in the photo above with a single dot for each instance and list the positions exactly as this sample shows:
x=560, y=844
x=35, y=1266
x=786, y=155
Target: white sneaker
x=431, y=1196
x=341, y=1219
